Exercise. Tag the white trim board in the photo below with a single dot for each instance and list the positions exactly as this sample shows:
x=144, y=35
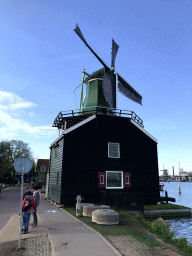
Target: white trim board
x=79, y=124
x=58, y=139
x=73, y=128
x=143, y=130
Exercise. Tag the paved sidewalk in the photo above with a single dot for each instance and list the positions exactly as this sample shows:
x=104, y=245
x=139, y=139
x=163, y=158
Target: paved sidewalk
x=59, y=230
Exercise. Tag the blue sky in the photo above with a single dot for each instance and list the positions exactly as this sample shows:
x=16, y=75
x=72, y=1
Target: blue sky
x=42, y=61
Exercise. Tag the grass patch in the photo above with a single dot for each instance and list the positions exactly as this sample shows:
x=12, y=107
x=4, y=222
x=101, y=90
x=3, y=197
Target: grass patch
x=116, y=230
x=163, y=207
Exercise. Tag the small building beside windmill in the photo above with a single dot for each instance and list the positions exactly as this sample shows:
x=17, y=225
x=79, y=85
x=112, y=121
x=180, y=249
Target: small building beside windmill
x=103, y=154
x=42, y=169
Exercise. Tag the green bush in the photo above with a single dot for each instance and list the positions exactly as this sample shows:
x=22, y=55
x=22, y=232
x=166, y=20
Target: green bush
x=158, y=227
x=161, y=229
x=182, y=245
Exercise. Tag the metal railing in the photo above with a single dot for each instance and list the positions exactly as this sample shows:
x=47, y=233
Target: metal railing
x=96, y=110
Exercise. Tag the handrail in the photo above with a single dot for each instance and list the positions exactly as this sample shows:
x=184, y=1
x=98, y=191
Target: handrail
x=97, y=110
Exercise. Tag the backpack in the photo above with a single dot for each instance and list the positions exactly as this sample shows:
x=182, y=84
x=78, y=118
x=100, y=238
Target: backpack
x=28, y=205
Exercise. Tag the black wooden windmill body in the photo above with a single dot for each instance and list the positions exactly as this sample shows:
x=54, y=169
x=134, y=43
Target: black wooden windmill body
x=102, y=85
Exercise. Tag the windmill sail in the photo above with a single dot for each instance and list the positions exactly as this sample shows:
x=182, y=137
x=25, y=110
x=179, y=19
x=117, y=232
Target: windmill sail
x=109, y=90
x=79, y=33
x=115, y=48
x=127, y=90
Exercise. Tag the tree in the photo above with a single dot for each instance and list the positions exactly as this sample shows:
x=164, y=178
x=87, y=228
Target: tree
x=5, y=161
x=9, y=152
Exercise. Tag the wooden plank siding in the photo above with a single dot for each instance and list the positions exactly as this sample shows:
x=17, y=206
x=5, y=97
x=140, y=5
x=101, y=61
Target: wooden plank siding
x=85, y=153
x=56, y=171
x=80, y=163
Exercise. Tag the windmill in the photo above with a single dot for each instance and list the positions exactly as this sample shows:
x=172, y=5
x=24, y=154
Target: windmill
x=103, y=84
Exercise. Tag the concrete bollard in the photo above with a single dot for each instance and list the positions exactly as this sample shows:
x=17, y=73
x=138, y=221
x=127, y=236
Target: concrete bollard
x=78, y=208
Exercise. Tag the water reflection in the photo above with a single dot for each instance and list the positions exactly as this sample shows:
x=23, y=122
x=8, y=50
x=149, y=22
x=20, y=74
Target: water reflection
x=181, y=226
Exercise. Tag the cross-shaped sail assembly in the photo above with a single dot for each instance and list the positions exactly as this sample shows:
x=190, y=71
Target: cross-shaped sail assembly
x=102, y=85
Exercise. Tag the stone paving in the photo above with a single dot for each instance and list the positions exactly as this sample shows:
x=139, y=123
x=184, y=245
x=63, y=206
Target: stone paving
x=37, y=246
x=129, y=246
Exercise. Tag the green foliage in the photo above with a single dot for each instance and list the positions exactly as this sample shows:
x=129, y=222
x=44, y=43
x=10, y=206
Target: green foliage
x=182, y=245
x=158, y=227
x=9, y=152
x=161, y=229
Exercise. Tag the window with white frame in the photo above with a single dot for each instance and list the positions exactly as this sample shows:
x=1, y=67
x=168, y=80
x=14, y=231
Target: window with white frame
x=43, y=168
x=113, y=150
x=114, y=179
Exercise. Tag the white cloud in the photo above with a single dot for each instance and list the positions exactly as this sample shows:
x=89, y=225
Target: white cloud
x=10, y=126
x=31, y=115
x=10, y=101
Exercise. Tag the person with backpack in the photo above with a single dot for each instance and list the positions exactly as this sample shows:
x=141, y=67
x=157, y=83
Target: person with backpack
x=37, y=197
x=28, y=206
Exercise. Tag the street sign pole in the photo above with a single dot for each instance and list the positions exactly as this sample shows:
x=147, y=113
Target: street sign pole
x=22, y=165
x=21, y=215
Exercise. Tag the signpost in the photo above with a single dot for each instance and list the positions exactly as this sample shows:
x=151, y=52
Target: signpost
x=22, y=165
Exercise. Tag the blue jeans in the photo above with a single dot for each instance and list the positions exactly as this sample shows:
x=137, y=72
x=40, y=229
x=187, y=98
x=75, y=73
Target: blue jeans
x=26, y=218
x=35, y=216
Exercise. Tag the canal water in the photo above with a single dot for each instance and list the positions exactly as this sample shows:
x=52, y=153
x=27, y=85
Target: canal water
x=182, y=226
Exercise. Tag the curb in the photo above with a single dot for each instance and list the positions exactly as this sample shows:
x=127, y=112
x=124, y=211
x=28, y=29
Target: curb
x=170, y=212
x=6, y=224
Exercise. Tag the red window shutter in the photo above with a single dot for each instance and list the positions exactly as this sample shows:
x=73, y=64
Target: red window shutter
x=127, y=179
x=101, y=179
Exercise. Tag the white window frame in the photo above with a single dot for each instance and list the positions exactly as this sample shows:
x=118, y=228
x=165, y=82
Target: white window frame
x=43, y=168
x=121, y=180
x=118, y=149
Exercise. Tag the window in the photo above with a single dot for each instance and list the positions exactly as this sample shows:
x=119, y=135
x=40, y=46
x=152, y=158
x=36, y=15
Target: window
x=114, y=179
x=43, y=168
x=113, y=150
